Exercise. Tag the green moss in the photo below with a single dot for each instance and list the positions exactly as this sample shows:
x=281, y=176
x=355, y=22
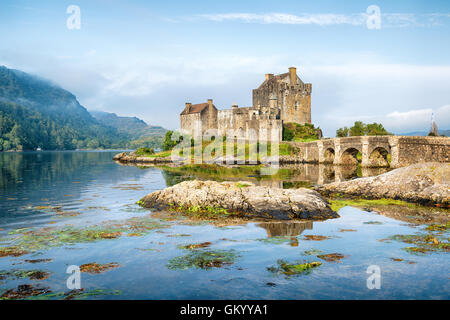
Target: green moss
x=290, y=269
x=337, y=204
x=207, y=212
x=242, y=185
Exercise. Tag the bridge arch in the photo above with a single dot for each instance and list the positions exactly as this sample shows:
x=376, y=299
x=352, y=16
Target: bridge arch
x=328, y=155
x=378, y=157
x=349, y=156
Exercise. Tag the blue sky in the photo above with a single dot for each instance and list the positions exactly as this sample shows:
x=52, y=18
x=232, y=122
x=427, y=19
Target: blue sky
x=147, y=58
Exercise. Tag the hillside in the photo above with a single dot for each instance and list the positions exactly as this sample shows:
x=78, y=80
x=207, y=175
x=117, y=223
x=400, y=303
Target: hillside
x=34, y=113
x=132, y=126
x=424, y=133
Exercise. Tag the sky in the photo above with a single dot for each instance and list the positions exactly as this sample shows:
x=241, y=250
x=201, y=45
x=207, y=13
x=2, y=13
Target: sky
x=147, y=58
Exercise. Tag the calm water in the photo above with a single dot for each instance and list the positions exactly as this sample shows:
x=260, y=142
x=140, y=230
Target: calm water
x=49, y=193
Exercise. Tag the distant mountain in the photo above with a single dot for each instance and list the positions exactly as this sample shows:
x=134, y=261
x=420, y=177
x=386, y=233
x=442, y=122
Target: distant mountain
x=425, y=133
x=132, y=126
x=35, y=112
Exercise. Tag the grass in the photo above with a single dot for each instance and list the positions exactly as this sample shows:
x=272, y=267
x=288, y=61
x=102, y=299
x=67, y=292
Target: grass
x=144, y=152
x=285, y=149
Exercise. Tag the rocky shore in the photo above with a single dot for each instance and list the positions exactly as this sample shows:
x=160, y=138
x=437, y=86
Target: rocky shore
x=240, y=199
x=423, y=183
x=130, y=157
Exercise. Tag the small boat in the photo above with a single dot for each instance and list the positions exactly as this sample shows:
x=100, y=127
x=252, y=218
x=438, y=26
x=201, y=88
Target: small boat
x=38, y=149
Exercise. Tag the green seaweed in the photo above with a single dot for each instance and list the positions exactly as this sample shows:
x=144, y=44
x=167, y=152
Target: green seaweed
x=296, y=268
x=337, y=203
x=203, y=259
x=424, y=243
x=27, y=241
x=79, y=294
x=438, y=227
x=23, y=274
x=312, y=252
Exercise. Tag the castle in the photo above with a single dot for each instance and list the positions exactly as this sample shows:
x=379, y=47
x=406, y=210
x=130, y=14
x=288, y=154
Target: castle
x=280, y=98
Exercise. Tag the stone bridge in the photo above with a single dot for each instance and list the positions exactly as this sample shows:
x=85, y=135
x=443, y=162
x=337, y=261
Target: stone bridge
x=374, y=151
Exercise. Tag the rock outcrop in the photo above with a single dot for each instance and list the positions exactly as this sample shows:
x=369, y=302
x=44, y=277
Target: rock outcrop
x=132, y=158
x=242, y=198
x=424, y=183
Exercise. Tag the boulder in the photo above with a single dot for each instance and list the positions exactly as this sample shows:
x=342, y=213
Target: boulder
x=242, y=198
x=424, y=183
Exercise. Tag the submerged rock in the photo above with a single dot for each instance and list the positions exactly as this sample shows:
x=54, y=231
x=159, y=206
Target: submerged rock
x=425, y=183
x=241, y=198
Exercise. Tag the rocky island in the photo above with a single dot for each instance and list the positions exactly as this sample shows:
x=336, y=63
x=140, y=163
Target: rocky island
x=241, y=199
x=423, y=183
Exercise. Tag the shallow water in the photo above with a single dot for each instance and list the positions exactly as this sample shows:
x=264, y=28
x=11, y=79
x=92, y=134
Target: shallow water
x=51, y=190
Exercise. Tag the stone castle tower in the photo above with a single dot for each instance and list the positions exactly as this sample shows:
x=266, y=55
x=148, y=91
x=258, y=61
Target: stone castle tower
x=280, y=98
x=288, y=93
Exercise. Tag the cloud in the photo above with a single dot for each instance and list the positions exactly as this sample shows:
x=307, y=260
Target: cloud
x=328, y=19
x=403, y=121
x=155, y=87
x=284, y=18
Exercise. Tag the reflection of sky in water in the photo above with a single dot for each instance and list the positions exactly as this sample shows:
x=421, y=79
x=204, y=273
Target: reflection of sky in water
x=96, y=189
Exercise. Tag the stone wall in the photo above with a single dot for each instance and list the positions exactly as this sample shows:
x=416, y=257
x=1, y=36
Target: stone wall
x=293, y=99
x=375, y=150
x=423, y=149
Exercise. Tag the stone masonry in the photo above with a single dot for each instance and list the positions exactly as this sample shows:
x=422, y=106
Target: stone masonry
x=280, y=98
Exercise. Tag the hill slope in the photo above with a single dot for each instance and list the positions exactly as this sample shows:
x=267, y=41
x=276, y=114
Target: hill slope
x=37, y=113
x=132, y=126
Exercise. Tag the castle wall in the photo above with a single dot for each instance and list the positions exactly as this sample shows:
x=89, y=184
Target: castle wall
x=190, y=123
x=294, y=101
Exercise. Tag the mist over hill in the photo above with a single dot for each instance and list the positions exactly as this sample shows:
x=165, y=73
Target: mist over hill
x=35, y=112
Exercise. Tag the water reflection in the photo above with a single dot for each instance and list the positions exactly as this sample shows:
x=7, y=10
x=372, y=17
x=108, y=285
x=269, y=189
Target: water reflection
x=287, y=176
x=290, y=229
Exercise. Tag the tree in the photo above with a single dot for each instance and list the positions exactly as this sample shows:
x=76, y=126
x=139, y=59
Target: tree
x=342, y=132
x=169, y=142
x=288, y=134
x=376, y=129
x=358, y=129
x=361, y=129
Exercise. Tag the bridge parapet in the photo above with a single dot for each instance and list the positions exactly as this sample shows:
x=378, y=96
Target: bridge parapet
x=375, y=151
